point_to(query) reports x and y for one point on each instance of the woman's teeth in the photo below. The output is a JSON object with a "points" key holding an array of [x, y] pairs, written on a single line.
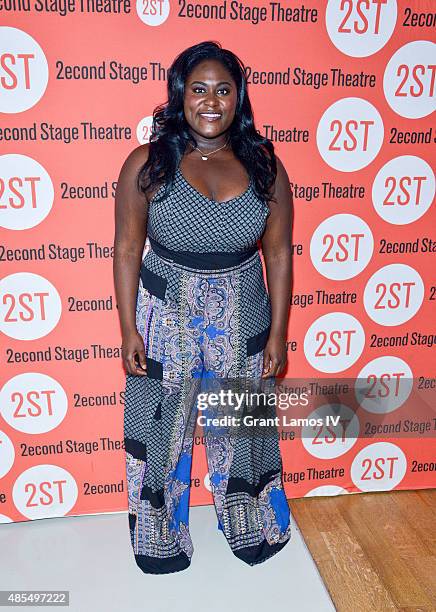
{"points": [[210, 116]]}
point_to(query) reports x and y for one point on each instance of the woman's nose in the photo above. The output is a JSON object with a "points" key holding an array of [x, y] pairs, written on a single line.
{"points": [[211, 98]]}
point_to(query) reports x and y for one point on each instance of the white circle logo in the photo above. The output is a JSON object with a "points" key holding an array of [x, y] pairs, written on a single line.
{"points": [[23, 71], [393, 294], [28, 192], [33, 403], [379, 467], [44, 491], [7, 454], [383, 384], [341, 246], [359, 28], [206, 482], [350, 134], [332, 439], [409, 80], [153, 13], [30, 306], [334, 342], [326, 490], [403, 189], [143, 130]]}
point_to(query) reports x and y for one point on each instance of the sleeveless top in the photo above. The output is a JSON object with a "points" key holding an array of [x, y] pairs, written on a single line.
{"points": [[187, 220]]}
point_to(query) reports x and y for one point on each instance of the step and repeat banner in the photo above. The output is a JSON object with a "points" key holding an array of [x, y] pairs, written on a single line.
{"points": [[346, 91]]}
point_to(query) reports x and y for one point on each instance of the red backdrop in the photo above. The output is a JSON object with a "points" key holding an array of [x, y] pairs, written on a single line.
{"points": [[346, 92]]}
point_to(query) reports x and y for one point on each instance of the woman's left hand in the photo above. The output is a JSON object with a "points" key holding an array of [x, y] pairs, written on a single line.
{"points": [[274, 356]]}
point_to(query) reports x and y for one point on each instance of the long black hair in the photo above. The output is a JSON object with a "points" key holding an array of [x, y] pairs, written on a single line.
{"points": [[170, 131]]}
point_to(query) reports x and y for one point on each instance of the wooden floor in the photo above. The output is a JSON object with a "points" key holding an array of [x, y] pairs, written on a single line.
{"points": [[375, 551]]}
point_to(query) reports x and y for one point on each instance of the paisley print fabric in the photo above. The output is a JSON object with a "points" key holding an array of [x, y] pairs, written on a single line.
{"points": [[202, 330]]}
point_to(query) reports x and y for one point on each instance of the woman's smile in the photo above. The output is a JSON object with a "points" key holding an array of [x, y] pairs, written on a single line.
{"points": [[210, 116]]}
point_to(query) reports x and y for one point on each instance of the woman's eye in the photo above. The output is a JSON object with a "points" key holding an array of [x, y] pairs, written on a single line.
{"points": [[201, 89]]}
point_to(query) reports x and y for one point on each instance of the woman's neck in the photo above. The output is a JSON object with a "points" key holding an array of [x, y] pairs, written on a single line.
{"points": [[208, 144]]}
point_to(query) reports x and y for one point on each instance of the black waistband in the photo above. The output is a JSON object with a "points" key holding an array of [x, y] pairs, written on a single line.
{"points": [[202, 261]]}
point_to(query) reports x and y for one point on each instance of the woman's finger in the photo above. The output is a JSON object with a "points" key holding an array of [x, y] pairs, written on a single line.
{"points": [[266, 362], [142, 362]]}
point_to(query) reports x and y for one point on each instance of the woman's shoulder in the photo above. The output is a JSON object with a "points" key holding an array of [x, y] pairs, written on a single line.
{"points": [[128, 177], [133, 164], [137, 157]]}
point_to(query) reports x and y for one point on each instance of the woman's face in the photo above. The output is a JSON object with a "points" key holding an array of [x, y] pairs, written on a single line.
{"points": [[209, 88]]}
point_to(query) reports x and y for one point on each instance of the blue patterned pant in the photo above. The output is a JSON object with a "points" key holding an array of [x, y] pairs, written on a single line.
{"points": [[203, 330]]}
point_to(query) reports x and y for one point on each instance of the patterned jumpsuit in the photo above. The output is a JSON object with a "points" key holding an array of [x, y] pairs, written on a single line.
{"points": [[204, 313]]}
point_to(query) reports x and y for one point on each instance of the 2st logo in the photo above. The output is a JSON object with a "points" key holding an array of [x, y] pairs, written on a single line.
{"points": [[33, 403], [350, 134], [379, 467], [153, 12], [409, 80], [360, 28], [23, 71], [143, 129], [26, 192], [393, 294], [341, 246], [403, 190], [334, 342], [327, 441], [30, 306], [44, 491], [383, 385]]}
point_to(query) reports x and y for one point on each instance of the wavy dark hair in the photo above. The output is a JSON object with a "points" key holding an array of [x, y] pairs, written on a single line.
{"points": [[170, 131]]}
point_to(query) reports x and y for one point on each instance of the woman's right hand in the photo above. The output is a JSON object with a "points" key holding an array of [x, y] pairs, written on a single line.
{"points": [[133, 346]]}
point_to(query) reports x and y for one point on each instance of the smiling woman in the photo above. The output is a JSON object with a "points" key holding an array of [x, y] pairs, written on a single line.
{"points": [[195, 311]]}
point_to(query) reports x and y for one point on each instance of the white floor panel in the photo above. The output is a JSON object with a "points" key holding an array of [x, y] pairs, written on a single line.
{"points": [[91, 557]]}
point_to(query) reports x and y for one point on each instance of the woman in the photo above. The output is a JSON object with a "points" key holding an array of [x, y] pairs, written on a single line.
{"points": [[195, 309]]}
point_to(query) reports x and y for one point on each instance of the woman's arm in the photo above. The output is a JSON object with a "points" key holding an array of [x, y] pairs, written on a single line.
{"points": [[131, 209], [277, 252]]}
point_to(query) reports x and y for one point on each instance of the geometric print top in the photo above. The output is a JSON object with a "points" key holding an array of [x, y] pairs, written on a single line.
{"points": [[187, 220]]}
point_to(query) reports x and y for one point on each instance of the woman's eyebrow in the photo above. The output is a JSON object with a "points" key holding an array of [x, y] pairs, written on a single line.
{"points": [[220, 83]]}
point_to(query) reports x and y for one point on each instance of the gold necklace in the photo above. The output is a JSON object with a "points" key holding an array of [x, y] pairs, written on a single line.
{"points": [[205, 156]]}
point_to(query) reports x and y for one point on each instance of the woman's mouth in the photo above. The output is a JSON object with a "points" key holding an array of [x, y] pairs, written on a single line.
{"points": [[211, 116]]}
